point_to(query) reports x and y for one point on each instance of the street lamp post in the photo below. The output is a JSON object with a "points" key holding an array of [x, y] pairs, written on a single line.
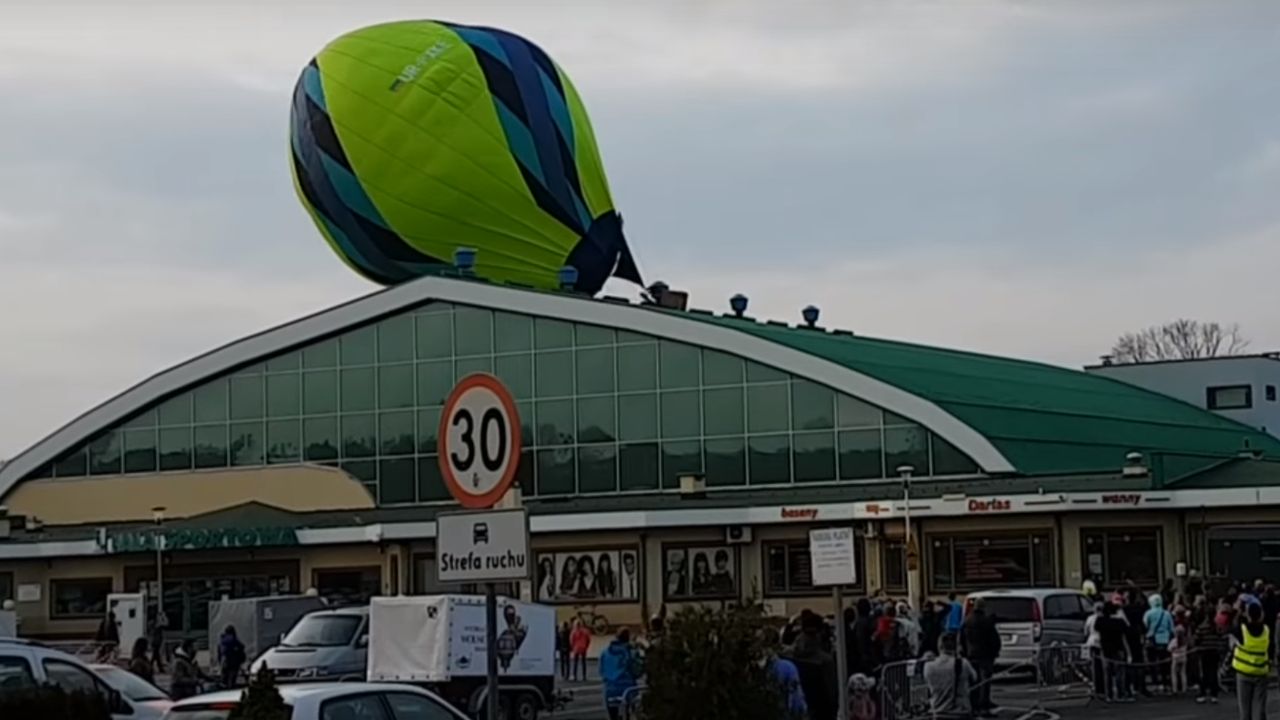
{"points": [[909, 545], [157, 515]]}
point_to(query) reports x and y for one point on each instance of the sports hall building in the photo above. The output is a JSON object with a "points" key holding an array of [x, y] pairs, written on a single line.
{"points": [[670, 456]]}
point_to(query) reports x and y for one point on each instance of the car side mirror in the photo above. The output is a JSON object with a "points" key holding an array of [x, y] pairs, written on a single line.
{"points": [[363, 641]]}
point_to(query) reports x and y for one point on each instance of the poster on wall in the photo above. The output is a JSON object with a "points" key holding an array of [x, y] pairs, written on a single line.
{"points": [[699, 572], [589, 576]]}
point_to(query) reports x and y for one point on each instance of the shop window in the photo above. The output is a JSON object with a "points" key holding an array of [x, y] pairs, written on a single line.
{"points": [[1115, 557], [893, 565], [601, 575], [347, 586], [1229, 397], [6, 586], [787, 569], [79, 598], [993, 560], [700, 572]]}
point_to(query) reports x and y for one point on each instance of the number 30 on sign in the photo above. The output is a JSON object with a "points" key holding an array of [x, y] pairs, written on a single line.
{"points": [[479, 441]]}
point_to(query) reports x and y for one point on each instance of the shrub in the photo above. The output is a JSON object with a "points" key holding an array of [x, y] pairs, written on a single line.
{"points": [[50, 702], [261, 700], [710, 665]]}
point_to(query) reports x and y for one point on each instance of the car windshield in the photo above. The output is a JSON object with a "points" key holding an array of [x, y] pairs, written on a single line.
{"points": [[322, 631], [1010, 609], [130, 685]]}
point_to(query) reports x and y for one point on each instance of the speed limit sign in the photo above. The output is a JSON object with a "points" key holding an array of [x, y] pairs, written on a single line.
{"points": [[479, 441]]}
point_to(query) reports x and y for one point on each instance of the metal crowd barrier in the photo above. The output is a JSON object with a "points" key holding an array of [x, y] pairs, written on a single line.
{"points": [[903, 692], [629, 703]]}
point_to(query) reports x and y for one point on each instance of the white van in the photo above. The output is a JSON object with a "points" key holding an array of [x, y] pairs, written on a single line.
{"points": [[1031, 619]]}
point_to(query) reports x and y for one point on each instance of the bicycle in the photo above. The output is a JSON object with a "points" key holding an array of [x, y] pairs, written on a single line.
{"points": [[592, 620]]}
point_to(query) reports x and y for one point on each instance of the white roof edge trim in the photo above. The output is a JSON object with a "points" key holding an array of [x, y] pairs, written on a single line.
{"points": [[661, 324]]}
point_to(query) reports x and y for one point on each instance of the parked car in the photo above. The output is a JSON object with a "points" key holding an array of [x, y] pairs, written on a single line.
{"points": [[323, 645], [326, 701], [1031, 619], [142, 693], [24, 664]]}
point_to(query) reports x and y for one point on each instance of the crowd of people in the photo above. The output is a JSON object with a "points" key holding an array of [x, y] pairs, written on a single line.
{"points": [[147, 658]]}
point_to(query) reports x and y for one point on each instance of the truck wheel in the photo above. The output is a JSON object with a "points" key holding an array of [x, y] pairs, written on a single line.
{"points": [[526, 707]]}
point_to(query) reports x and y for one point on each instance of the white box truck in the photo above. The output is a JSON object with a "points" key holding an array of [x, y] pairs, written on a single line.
{"points": [[438, 641]]}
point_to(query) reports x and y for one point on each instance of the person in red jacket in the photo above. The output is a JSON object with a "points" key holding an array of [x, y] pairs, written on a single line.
{"points": [[579, 644]]}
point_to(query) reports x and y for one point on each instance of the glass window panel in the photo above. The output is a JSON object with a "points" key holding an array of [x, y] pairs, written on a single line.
{"points": [[638, 367], [359, 436], [1042, 561], [553, 374], [211, 402], [524, 472], [588, 335], [466, 366], [724, 410], [815, 456], [893, 561], [397, 481], [812, 406], [525, 411], [247, 443], [726, 462], [775, 568], [431, 485], [680, 458], [319, 392], [595, 371], [555, 471], [906, 446], [175, 448], [321, 355], [395, 339], [597, 420], [320, 438], [435, 335], [895, 419], [144, 419], [638, 416], [854, 413], [757, 373], [76, 464], [285, 363], [767, 409], [176, 411], [511, 332], [597, 468], [680, 414], [435, 380], [104, 454], [395, 386], [358, 389], [246, 397], [211, 446], [555, 423], [639, 467], [722, 368], [358, 347], [948, 460], [284, 441], [625, 336], [472, 331], [770, 459], [284, 395], [139, 451], [940, 563], [679, 365], [516, 372], [860, 455], [549, 334], [428, 429], [366, 471], [395, 431]]}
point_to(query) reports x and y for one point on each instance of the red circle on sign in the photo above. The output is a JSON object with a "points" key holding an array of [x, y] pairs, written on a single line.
{"points": [[456, 488]]}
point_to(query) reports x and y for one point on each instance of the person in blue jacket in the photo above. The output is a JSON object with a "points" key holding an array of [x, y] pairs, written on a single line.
{"points": [[620, 670]]}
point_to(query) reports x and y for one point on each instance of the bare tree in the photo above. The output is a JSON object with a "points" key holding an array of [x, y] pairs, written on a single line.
{"points": [[1181, 339]]}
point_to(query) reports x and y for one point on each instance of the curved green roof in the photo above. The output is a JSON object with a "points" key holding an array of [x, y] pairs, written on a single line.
{"points": [[1045, 419]]}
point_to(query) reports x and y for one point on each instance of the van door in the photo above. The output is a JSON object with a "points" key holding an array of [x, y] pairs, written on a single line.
{"points": [[1064, 619], [16, 672], [1017, 619]]}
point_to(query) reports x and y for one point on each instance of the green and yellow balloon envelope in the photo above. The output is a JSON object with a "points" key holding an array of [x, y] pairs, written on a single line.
{"points": [[413, 139]]}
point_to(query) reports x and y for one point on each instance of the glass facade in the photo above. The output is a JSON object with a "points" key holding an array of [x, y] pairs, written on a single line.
{"points": [[603, 411]]}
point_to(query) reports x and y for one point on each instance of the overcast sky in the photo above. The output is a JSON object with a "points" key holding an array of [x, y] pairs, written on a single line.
{"points": [[1022, 178]]}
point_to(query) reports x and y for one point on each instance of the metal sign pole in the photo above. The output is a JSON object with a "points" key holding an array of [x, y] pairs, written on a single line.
{"points": [[842, 660], [491, 650]]}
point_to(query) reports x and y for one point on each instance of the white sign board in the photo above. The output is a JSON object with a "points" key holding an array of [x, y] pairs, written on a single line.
{"points": [[831, 556], [29, 592], [483, 546]]}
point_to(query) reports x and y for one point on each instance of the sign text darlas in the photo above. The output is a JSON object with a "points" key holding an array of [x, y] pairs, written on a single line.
{"points": [[992, 505]]}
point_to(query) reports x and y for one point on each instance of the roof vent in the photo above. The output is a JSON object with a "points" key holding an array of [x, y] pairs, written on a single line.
{"points": [[1108, 359], [663, 296], [1135, 465], [464, 259], [738, 303], [810, 315], [568, 278]]}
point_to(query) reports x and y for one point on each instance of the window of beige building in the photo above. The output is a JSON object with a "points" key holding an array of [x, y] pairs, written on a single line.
{"points": [[787, 569], [6, 586], [348, 586], [893, 565], [991, 560], [1115, 556], [79, 598]]}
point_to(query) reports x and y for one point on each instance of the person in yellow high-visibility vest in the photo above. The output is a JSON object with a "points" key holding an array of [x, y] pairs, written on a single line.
{"points": [[1251, 660]]}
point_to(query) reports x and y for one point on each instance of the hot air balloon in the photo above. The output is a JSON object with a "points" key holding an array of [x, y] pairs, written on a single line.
{"points": [[413, 139]]}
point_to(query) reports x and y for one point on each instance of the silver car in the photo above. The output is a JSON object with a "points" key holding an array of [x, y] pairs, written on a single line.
{"points": [[1031, 619]]}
